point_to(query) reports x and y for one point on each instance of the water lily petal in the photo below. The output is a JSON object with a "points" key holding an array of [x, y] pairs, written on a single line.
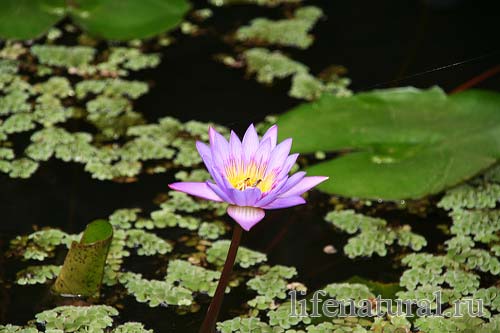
{"points": [[220, 192], [304, 185], [206, 155], [197, 189], [263, 154], [266, 199], [287, 166], [272, 134], [204, 152], [235, 147], [250, 142], [292, 181], [247, 217], [285, 202], [219, 147], [279, 155], [276, 190], [247, 197]]}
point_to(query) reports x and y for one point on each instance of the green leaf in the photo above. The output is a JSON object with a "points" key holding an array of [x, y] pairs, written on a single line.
{"points": [[128, 19], [27, 19], [110, 19], [83, 267], [385, 290], [397, 143]]}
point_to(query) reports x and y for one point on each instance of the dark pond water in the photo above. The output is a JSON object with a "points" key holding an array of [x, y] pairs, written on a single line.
{"points": [[382, 43]]}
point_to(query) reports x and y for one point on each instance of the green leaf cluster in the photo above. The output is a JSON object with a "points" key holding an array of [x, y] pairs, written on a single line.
{"points": [[111, 19], [270, 282], [374, 234], [245, 258], [271, 65], [78, 319], [267, 3], [399, 143], [292, 32]]}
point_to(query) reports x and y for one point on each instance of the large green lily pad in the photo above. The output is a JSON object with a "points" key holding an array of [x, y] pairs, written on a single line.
{"points": [[397, 143], [25, 19], [110, 19], [128, 19], [83, 269]]}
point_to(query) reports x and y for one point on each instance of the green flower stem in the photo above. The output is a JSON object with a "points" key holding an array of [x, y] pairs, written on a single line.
{"points": [[210, 320]]}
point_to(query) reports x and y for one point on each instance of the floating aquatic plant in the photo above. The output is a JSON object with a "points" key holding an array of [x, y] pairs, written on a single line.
{"points": [[401, 143], [83, 268], [374, 236], [97, 94], [37, 274], [245, 258], [269, 66], [156, 292], [267, 3], [288, 32], [250, 175], [270, 283], [78, 319], [130, 20]]}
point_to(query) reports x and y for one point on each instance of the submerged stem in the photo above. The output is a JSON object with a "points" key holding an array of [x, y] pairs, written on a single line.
{"points": [[210, 320]]}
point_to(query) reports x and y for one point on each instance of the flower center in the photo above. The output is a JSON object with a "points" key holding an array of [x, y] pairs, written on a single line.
{"points": [[249, 176]]}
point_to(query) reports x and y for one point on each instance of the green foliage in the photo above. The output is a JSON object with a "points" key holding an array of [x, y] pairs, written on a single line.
{"points": [[346, 291], [456, 273], [22, 19], [128, 59], [130, 18], [17, 329], [167, 218], [267, 3], [270, 283], [22, 168], [305, 86], [197, 175], [37, 274], [83, 268], [194, 278], [123, 218], [469, 196], [429, 273], [26, 19], [131, 327], [155, 292], [269, 66], [449, 325], [246, 325], [78, 319], [111, 87], [40, 244], [482, 225], [374, 234], [75, 57], [212, 230], [104, 102], [146, 243], [282, 317], [413, 143], [287, 32], [245, 258]]}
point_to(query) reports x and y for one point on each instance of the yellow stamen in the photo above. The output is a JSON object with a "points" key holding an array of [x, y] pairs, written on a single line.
{"points": [[249, 176]]}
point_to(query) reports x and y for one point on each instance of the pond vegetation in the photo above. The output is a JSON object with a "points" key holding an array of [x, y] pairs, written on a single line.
{"points": [[411, 207]]}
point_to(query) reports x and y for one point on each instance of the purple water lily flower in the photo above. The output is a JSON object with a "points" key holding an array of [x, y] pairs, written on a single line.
{"points": [[250, 175]]}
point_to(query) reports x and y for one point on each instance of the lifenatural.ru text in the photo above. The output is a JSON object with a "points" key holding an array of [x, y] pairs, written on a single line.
{"points": [[319, 305]]}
